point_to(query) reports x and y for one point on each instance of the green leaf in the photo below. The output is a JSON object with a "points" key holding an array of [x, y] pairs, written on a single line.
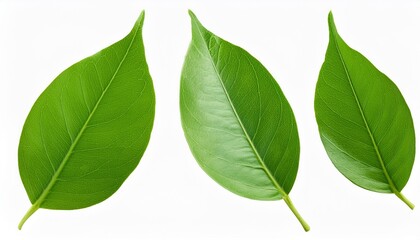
{"points": [[364, 122], [88, 130], [238, 124]]}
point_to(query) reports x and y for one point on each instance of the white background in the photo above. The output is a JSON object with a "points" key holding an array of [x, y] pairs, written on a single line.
{"points": [[168, 196]]}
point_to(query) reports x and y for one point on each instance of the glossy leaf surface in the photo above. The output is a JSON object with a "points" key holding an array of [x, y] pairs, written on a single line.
{"points": [[238, 124], [88, 130], [364, 121]]}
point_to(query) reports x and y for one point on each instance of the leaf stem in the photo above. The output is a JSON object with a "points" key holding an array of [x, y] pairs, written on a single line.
{"points": [[405, 200], [29, 213], [289, 203]]}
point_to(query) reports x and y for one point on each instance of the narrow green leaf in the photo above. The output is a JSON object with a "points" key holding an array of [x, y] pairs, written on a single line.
{"points": [[238, 124], [364, 122], [88, 130]]}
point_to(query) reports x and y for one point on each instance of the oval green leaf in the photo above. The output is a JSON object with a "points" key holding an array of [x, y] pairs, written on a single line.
{"points": [[88, 130], [238, 124], [364, 122]]}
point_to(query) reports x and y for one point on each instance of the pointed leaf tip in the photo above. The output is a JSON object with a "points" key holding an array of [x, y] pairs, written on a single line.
{"points": [[330, 15], [140, 20], [195, 23], [139, 23], [331, 23], [331, 26], [192, 15], [194, 19]]}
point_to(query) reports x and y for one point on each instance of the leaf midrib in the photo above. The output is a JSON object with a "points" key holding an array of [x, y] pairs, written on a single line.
{"points": [[257, 155], [57, 173], [387, 176]]}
